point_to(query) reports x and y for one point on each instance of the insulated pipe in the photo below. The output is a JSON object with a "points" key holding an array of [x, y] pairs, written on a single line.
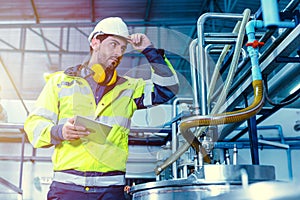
{"points": [[240, 65], [218, 65], [228, 117], [222, 50], [234, 62]]}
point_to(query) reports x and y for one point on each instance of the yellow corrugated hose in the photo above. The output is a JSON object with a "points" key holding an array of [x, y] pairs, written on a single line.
{"points": [[215, 119], [228, 117]]}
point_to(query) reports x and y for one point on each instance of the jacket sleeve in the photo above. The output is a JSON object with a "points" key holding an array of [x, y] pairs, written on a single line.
{"points": [[164, 81], [40, 122]]}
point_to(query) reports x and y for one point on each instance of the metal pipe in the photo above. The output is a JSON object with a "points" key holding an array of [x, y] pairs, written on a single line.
{"points": [[235, 155], [194, 72], [220, 40], [22, 160], [201, 58], [253, 140], [288, 150], [174, 130], [293, 143], [216, 119], [276, 144], [220, 35]]}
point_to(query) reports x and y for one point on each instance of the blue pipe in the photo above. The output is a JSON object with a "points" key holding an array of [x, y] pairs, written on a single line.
{"points": [[253, 52], [256, 75], [253, 140], [271, 19], [288, 151], [271, 15]]}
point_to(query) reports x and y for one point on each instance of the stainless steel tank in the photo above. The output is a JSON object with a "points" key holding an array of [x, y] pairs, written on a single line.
{"points": [[215, 180], [270, 190]]}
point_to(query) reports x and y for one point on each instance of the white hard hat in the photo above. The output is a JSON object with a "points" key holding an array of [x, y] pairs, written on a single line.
{"points": [[110, 25]]}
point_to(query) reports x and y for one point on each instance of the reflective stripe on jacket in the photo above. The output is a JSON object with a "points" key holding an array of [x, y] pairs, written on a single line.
{"points": [[91, 181]]}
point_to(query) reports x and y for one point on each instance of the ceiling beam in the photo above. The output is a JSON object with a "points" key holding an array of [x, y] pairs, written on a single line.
{"points": [[148, 10], [36, 15], [164, 23], [93, 15]]}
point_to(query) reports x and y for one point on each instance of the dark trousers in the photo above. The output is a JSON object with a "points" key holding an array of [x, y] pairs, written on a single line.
{"points": [[61, 191]]}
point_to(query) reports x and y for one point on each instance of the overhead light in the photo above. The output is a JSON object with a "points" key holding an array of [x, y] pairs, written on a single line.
{"points": [[295, 89]]}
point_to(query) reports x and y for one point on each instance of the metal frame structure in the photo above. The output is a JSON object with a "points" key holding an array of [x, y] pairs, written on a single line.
{"points": [[6, 183]]}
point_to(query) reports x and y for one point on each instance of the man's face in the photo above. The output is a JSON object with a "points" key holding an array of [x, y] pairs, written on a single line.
{"points": [[110, 51]]}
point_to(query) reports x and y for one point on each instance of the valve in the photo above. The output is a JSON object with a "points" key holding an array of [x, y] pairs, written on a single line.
{"points": [[255, 44]]}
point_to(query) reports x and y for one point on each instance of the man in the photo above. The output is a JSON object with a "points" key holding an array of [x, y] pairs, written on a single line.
{"points": [[84, 169]]}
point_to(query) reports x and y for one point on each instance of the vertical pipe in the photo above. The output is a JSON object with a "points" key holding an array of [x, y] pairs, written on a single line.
{"points": [[256, 75], [22, 160], [194, 76], [227, 157], [252, 131], [235, 155], [253, 140], [201, 66], [174, 131], [174, 138], [289, 162], [288, 152], [202, 81]]}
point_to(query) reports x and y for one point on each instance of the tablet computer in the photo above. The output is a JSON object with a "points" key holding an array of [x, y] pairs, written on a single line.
{"points": [[98, 131]]}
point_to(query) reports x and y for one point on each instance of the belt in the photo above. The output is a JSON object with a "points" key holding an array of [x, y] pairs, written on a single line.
{"points": [[92, 181]]}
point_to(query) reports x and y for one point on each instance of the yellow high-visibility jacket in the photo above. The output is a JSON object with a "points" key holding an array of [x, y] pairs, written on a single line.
{"points": [[65, 96]]}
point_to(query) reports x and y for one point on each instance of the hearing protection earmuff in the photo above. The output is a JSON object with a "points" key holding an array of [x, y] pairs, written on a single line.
{"points": [[104, 76]]}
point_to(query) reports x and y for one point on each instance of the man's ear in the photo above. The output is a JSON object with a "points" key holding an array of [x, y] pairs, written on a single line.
{"points": [[95, 43]]}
